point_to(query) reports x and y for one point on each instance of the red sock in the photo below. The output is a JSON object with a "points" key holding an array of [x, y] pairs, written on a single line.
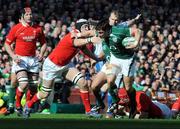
{"points": [[86, 101], [32, 101], [19, 96], [28, 95]]}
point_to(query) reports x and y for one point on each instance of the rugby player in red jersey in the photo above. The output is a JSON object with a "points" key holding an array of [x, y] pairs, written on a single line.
{"points": [[25, 35], [146, 108], [57, 64], [176, 108]]}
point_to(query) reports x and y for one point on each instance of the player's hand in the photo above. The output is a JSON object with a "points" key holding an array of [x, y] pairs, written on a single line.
{"points": [[137, 17], [16, 59], [131, 46]]}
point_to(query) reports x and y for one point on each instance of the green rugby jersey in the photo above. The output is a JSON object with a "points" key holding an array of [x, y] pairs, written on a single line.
{"points": [[115, 42]]}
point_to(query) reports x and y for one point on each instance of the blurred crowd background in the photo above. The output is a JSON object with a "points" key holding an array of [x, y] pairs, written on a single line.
{"points": [[158, 67]]}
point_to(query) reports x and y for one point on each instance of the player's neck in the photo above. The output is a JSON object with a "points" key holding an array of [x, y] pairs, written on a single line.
{"points": [[25, 24]]}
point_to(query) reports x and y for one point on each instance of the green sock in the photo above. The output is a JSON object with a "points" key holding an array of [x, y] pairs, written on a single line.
{"points": [[12, 93], [114, 94]]}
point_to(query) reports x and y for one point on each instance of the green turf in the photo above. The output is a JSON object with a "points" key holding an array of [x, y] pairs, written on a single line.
{"points": [[80, 121]]}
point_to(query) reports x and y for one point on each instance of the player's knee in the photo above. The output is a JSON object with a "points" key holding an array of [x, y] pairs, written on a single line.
{"points": [[80, 81]]}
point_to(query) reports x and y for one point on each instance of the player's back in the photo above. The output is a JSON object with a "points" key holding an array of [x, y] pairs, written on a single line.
{"points": [[64, 51]]}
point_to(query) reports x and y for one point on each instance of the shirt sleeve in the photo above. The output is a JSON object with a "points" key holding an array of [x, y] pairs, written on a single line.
{"points": [[10, 38], [127, 31], [122, 24], [42, 38]]}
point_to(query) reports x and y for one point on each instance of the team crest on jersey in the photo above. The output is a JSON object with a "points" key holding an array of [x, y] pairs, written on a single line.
{"points": [[114, 37]]}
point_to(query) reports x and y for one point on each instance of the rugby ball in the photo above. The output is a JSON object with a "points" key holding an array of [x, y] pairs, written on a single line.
{"points": [[128, 41]]}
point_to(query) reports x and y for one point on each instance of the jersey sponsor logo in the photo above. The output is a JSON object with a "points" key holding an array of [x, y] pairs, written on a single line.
{"points": [[28, 38]]}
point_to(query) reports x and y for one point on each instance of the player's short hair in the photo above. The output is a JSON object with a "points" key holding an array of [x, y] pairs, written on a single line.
{"points": [[80, 23], [25, 10], [103, 25], [115, 11]]}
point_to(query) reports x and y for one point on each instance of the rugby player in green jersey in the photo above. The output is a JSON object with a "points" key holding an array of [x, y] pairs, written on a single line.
{"points": [[122, 58], [99, 81]]}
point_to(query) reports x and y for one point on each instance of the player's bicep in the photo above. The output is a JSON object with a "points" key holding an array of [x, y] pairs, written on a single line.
{"points": [[10, 38]]}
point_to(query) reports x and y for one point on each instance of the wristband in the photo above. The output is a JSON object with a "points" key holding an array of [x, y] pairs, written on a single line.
{"points": [[89, 40]]}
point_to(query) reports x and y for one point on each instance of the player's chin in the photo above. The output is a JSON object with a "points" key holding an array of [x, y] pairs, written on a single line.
{"points": [[29, 21]]}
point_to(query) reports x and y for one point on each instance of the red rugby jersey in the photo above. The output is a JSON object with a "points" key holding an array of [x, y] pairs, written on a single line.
{"points": [[176, 105], [25, 38], [144, 104], [64, 51]]}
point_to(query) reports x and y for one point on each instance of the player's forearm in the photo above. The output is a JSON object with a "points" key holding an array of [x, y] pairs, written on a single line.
{"points": [[131, 22], [9, 50], [83, 41], [43, 49], [138, 36]]}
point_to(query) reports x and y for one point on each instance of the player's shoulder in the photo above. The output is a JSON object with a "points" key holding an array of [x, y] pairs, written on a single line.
{"points": [[18, 25], [117, 29], [37, 26], [67, 37]]}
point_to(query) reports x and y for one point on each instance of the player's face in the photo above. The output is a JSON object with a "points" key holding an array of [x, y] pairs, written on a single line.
{"points": [[84, 27], [28, 17], [113, 19]]}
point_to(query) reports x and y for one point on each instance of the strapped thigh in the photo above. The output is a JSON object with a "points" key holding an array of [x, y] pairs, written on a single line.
{"points": [[45, 89], [33, 81], [77, 77], [21, 79]]}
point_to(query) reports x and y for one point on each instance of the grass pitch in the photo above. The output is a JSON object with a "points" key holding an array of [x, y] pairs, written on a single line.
{"points": [[80, 121]]}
